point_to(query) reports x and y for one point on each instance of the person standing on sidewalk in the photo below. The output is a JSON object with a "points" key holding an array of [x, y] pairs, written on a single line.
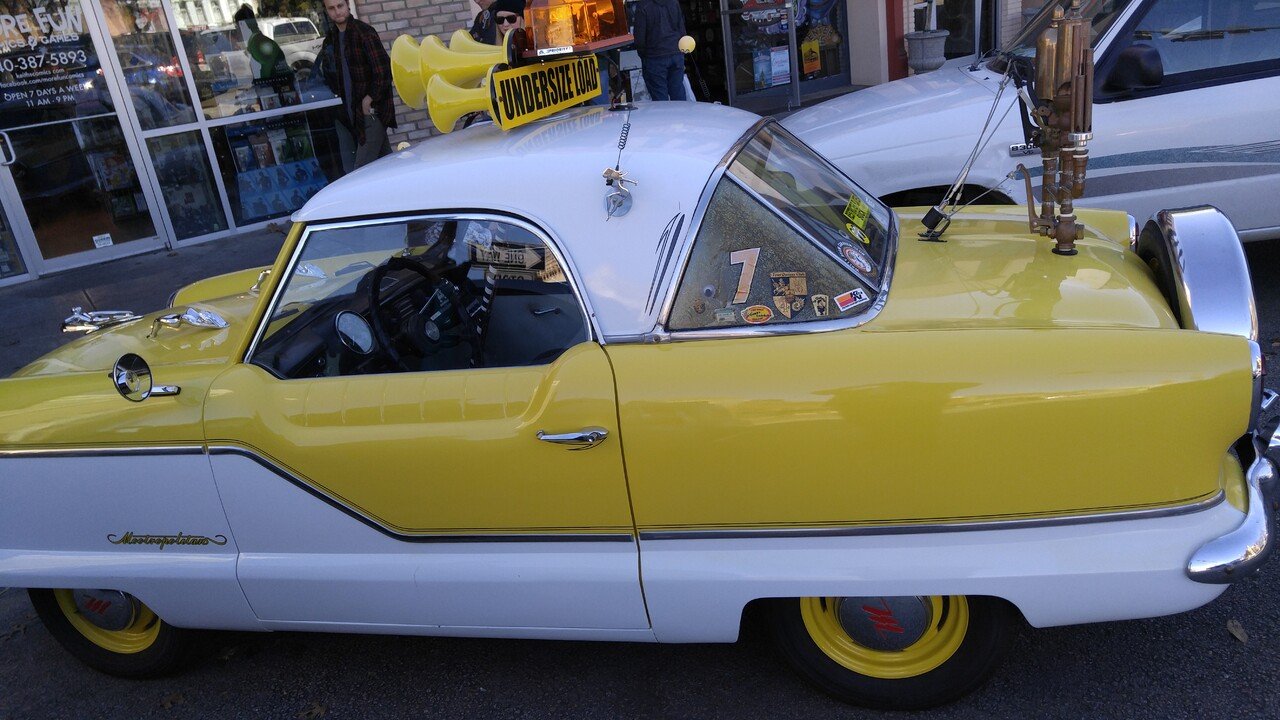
{"points": [[658, 27], [362, 78], [483, 28]]}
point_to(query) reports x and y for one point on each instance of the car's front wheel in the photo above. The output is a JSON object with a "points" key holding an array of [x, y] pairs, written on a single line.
{"points": [[894, 653], [112, 632]]}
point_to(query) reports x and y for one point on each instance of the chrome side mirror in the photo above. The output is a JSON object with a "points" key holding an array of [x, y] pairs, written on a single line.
{"points": [[132, 378]]}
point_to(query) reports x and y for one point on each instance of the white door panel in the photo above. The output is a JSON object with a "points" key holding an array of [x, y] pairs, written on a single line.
{"points": [[304, 560]]}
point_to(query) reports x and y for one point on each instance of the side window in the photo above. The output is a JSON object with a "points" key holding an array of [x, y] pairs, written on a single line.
{"points": [[1197, 35], [749, 267], [420, 295]]}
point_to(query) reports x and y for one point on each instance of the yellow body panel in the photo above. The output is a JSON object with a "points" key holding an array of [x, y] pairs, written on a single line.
{"points": [[84, 409], [441, 452], [859, 427], [234, 283], [991, 272]]}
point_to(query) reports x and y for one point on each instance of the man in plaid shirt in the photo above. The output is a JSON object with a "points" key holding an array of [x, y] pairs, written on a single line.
{"points": [[361, 76]]}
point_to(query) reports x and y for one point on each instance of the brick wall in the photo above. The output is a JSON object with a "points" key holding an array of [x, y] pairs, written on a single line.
{"points": [[1010, 19], [393, 18]]}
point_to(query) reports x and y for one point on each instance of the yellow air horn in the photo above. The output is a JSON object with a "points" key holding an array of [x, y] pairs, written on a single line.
{"points": [[463, 63], [406, 72], [447, 102], [461, 67]]}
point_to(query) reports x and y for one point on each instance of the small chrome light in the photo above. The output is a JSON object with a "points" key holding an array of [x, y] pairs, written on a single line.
{"points": [[1133, 232]]}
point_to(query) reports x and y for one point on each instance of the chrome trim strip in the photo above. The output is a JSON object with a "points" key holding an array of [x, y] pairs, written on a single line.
{"points": [[661, 334], [1256, 366], [1210, 276], [666, 247], [685, 249], [268, 464], [103, 451], [588, 312], [1235, 555], [931, 528]]}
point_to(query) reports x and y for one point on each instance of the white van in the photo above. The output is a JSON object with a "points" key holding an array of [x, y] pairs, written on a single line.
{"points": [[1186, 112]]}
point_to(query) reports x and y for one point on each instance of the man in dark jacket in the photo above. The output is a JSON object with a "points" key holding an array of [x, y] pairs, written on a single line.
{"points": [[658, 27], [362, 78]]}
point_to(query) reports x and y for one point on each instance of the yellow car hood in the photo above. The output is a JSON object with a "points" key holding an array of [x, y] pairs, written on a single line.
{"points": [[990, 272], [183, 345]]}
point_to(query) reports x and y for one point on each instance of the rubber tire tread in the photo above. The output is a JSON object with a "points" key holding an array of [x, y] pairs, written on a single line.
{"points": [[993, 623], [169, 653]]}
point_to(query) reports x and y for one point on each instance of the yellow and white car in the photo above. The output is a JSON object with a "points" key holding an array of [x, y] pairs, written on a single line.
{"points": [[473, 397]]}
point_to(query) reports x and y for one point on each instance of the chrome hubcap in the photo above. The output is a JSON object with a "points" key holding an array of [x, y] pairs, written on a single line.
{"points": [[885, 623], [108, 609]]}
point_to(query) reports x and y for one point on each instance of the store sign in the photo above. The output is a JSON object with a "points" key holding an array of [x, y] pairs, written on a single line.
{"points": [[48, 67], [525, 94]]}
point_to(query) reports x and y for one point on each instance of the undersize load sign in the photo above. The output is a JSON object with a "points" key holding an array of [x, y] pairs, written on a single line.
{"points": [[522, 95]]}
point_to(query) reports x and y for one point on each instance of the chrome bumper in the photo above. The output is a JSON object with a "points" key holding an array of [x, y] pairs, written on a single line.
{"points": [[1238, 553]]}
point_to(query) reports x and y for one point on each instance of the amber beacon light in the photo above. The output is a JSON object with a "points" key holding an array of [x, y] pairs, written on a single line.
{"points": [[563, 27]]}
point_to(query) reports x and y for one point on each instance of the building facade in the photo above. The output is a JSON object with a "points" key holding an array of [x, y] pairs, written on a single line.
{"points": [[132, 125]]}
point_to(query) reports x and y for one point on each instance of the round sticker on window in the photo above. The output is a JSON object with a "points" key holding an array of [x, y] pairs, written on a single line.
{"points": [[857, 258], [757, 314]]}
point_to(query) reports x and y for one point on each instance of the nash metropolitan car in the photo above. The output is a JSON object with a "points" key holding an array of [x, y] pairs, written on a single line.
{"points": [[483, 392]]}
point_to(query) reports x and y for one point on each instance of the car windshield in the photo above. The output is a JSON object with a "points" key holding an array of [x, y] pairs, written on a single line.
{"points": [[1103, 12], [801, 187]]}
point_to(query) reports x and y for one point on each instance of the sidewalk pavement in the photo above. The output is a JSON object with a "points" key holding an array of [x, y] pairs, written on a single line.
{"points": [[31, 313]]}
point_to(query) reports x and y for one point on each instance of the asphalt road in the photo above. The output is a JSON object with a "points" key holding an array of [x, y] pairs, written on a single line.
{"points": [[1184, 666]]}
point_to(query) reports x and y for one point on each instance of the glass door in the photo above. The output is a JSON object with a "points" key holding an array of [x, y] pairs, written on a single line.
{"points": [[72, 183], [11, 263], [761, 55]]}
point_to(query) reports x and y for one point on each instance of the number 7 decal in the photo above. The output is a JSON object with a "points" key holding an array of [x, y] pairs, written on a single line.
{"points": [[748, 260]]}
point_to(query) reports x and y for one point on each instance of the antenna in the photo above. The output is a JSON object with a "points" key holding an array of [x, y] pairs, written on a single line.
{"points": [[1057, 116]]}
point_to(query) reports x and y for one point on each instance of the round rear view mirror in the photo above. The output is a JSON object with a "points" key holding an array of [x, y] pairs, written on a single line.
{"points": [[132, 377]]}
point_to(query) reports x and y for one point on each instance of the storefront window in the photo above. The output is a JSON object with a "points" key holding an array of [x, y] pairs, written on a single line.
{"points": [[271, 167], [762, 56], [152, 73], [819, 32], [49, 69], [189, 191], [78, 185], [251, 56]]}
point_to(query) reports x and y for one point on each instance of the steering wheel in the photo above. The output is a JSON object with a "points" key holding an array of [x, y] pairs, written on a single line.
{"points": [[425, 329]]}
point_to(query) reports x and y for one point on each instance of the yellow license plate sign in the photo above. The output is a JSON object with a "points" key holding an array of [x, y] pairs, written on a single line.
{"points": [[857, 212], [524, 94]]}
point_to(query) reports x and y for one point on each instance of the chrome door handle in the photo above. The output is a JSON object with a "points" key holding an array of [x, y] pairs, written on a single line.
{"points": [[8, 156], [581, 440]]}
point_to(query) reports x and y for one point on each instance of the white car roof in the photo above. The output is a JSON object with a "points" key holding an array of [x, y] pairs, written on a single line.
{"points": [[550, 172]]}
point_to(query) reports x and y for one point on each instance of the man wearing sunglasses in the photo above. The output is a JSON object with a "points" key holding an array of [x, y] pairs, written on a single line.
{"points": [[362, 78]]}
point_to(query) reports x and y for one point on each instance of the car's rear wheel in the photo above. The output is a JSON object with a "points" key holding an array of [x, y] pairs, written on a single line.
{"points": [[896, 653], [112, 632]]}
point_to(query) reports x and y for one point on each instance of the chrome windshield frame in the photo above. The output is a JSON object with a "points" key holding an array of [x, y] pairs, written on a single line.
{"points": [[661, 333], [566, 263]]}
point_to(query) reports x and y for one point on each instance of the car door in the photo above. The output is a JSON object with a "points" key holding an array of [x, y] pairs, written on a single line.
{"points": [[1202, 131], [442, 451]]}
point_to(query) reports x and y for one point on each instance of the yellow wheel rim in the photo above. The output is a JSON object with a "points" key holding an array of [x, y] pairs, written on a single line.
{"points": [[138, 636], [949, 621]]}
